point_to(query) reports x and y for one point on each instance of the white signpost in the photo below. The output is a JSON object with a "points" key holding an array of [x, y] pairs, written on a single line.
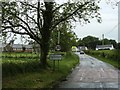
{"points": [[55, 57]]}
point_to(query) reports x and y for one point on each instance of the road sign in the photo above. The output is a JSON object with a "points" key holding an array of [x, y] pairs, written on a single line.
{"points": [[55, 56], [58, 47]]}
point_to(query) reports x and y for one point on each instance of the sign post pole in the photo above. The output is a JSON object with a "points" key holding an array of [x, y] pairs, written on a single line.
{"points": [[53, 65], [58, 64], [55, 57]]}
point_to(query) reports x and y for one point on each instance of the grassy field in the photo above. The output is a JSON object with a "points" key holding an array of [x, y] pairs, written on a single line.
{"points": [[109, 56], [25, 73]]}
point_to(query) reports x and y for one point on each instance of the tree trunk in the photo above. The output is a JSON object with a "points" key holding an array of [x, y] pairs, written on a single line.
{"points": [[45, 47], [43, 54], [46, 33]]}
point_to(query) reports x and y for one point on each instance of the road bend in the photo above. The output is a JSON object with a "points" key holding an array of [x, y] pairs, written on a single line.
{"points": [[92, 73]]}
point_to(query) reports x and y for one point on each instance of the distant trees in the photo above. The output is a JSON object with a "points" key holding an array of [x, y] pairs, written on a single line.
{"points": [[91, 42]]}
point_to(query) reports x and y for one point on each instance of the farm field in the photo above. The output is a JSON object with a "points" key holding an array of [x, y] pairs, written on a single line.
{"points": [[22, 70], [109, 56]]}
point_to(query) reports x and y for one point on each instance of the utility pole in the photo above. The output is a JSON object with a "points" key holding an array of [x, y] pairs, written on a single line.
{"points": [[58, 37], [102, 39]]}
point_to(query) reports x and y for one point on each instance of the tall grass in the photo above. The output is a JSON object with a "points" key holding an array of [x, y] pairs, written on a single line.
{"points": [[28, 73]]}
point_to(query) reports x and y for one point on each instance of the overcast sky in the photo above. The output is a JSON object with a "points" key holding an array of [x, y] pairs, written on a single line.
{"points": [[108, 27]]}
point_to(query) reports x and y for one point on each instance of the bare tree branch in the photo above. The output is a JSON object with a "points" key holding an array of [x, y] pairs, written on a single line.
{"points": [[12, 30], [28, 32], [59, 7], [31, 19], [65, 18], [38, 16], [33, 6]]}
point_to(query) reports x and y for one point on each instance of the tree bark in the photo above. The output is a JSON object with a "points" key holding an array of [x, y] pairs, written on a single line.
{"points": [[46, 33], [44, 50]]}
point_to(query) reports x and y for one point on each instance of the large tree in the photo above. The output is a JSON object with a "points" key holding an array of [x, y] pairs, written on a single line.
{"points": [[39, 19]]}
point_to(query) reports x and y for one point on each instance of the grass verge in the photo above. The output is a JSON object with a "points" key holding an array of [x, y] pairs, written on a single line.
{"points": [[111, 57], [42, 78]]}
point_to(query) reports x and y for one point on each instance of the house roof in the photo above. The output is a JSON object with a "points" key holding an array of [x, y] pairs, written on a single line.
{"points": [[104, 46], [17, 46], [28, 46], [20, 46]]}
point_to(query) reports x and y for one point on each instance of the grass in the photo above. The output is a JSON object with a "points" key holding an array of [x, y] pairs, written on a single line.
{"points": [[14, 55], [39, 78], [109, 56], [110, 61]]}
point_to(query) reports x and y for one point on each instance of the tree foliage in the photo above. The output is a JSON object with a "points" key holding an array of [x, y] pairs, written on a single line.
{"points": [[91, 42], [67, 37], [39, 19]]}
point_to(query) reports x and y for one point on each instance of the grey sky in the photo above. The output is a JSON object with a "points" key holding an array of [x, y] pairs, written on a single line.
{"points": [[109, 25], [119, 23]]}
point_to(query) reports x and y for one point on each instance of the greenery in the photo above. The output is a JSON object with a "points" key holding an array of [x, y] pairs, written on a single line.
{"points": [[28, 73], [67, 37], [13, 55], [38, 19], [91, 42], [109, 56]]}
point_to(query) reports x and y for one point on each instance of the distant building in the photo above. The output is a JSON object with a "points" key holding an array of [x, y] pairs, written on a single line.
{"points": [[104, 47], [28, 48], [20, 48], [82, 48], [15, 48]]}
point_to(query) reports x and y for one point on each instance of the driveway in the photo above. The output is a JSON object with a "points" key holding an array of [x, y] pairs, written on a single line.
{"points": [[92, 73]]}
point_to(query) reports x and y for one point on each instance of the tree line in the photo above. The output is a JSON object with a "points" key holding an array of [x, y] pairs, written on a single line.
{"points": [[90, 42]]}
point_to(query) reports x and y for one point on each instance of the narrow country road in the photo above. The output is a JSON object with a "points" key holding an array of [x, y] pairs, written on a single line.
{"points": [[92, 73]]}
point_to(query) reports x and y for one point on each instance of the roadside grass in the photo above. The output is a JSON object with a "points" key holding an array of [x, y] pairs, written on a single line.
{"points": [[37, 77], [109, 56]]}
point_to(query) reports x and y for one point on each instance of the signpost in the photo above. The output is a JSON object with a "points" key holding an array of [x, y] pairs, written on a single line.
{"points": [[55, 57]]}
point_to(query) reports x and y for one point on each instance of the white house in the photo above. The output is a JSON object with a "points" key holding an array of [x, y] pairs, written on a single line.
{"points": [[104, 47], [19, 47], [81, 48], [15, 48]]}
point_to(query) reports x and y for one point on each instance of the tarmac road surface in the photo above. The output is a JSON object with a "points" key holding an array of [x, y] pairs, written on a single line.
{"points": [[92, 73]]}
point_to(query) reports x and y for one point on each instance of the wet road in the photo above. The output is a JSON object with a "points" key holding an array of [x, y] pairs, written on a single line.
{"points": [[91, 73]]}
